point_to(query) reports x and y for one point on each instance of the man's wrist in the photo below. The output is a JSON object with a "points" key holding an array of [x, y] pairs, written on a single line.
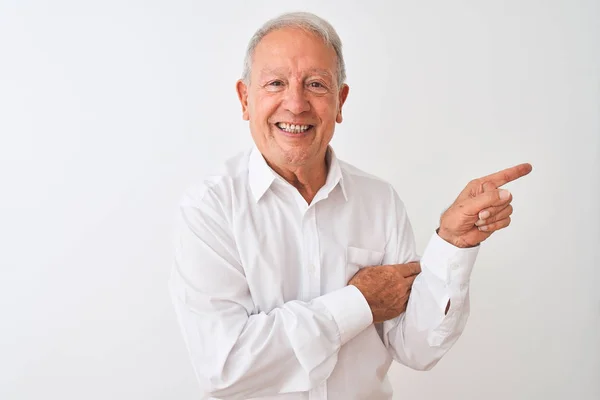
{"points": [[453, 240]]}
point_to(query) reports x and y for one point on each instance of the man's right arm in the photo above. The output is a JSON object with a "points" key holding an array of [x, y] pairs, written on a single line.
{"points": [[237, 354]]}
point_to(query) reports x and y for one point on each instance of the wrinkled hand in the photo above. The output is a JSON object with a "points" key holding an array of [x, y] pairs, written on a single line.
{"points": [[480, 209], [386, 288]]}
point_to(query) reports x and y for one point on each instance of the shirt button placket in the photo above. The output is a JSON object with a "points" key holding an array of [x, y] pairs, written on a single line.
{"points": [[311, 240], [313, 254]]}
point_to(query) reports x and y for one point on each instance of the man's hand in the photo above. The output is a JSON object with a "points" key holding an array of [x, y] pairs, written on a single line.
{"points": [[386, 288], [480, 209]]}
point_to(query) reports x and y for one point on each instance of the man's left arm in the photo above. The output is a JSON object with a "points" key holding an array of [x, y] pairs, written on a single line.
{"points": [[438, 306], [421, 336]]}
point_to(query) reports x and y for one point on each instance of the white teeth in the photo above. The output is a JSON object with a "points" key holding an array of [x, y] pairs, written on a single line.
{"points": [[293, 128]]}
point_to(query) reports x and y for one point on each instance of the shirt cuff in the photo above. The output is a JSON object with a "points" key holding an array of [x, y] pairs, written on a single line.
{"points": [[448, 262], [350, 311]]}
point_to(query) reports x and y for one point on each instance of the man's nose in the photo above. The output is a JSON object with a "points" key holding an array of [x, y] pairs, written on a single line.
{"points": [[295, 100]]}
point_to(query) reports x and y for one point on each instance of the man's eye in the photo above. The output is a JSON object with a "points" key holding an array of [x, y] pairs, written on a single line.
{"points": [[276, 83], [315, 85]]}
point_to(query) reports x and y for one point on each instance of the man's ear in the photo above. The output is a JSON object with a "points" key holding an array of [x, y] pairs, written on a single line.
{"points": [[242, 92], [343, 96]]}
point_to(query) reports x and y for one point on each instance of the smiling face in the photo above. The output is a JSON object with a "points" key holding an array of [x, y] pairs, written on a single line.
{"points": [[293, 100]]}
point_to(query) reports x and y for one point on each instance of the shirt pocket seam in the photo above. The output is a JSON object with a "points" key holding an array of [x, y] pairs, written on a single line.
{"points": [[360, 257]]}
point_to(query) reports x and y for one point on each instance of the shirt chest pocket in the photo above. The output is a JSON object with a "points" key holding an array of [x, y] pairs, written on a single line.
{"points": [[357, 258]]}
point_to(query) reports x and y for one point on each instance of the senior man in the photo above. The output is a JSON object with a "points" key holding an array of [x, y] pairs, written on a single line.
{"points": [[296, 274]]}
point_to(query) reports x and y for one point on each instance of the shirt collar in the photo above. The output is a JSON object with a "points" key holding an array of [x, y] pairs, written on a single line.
{"points": [[334, 175], [261, 176]]}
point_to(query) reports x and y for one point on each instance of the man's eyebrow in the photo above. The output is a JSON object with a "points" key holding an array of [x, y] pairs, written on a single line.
{"points": [[322, 72], [271, 71], [277, 71]]}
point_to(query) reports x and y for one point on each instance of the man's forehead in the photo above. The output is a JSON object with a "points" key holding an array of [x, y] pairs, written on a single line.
{"points": [[294, 50]]}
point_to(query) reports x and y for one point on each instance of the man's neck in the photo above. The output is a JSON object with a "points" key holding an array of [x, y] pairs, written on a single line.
{"points": [[308, 179]]}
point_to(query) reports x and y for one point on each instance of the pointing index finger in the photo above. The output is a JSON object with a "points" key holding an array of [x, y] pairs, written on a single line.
{"points": [[508, 175]]}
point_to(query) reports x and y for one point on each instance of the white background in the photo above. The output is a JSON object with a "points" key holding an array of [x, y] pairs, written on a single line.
{"points": [[109, 109]]}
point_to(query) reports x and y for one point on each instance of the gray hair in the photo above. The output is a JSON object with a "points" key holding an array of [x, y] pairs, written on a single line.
{"points": [[302, 20]]}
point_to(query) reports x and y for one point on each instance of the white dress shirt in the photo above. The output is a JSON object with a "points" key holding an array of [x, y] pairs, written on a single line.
{"points": [[259, 285]]}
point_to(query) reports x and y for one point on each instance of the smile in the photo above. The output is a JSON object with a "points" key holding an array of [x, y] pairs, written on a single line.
{"points": [[293, 128]]}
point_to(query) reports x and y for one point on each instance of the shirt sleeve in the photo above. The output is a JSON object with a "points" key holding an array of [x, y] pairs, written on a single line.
{"points": [[238, 354], [422, 335]]}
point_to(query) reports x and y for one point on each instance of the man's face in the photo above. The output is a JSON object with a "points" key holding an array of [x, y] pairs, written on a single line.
{"points": [[293, 82]]}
